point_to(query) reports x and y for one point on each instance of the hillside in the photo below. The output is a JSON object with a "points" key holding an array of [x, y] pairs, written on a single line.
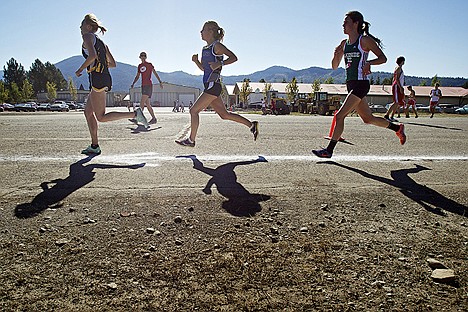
{"points": [[124, 74]]}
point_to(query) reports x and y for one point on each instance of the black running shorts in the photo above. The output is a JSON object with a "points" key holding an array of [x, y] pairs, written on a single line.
{"points": [[213, 88], [147, 90], [100, 82], [359, 88]]}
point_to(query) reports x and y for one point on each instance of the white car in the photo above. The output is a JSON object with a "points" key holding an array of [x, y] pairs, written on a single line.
{"points": [[59, 106]]}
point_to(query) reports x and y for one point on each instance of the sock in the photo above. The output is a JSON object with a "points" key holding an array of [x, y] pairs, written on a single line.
{"points": [[331, 146], [94, 145], [393, 126]]}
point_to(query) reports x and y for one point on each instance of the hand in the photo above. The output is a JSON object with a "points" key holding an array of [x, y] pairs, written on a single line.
{"points": [[78, 73], [195, 58], [366, 69], [161, 85], [131, 86]]}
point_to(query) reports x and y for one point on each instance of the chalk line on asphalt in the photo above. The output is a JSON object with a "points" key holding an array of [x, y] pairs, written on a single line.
{"points": [[155, 159]]}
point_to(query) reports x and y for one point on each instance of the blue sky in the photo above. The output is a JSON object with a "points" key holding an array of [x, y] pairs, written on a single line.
{"points": [[262, 33]]}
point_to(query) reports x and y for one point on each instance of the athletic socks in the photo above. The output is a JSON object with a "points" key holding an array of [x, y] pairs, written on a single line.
{"points": [[331, 146], [393, 126]]}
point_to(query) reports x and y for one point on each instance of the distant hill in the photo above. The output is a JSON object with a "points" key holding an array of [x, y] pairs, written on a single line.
{"points": [[124, 74]]}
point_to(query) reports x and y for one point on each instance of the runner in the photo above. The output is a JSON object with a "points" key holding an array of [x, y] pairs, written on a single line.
{"points": [[211, 63], [146, 69], [98, 60], [398, 92], [436, 94], [355, 50], [411, 102]]}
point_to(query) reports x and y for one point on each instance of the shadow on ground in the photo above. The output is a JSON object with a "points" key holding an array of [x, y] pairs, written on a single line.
{"points": [[430, 199], [240, 202], [51, 197], [432, 126]]}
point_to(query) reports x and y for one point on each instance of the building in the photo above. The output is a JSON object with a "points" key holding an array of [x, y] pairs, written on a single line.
{"points": [[378, 94], [166, 96]]}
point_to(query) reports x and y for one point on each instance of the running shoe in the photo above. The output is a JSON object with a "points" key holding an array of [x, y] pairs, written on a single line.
{"points": [[91, 151], [401, 134], [153, 121], [186, 142], [254, 129], [322, 153], [141, 118]]}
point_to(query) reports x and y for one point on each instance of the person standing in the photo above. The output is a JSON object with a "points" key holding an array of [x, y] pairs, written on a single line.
{"points": [[98, 60], [211, 63], [411, 102], [145, 69], [435, 94], [398, 92], [355, 50]]}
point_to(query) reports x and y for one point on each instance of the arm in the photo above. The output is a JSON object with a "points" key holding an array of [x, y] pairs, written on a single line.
{"points": [[88, 44], [369, 44], [110, 58], [220, 49], [338, 55], [196, 61], [136, 78], [157, 76]]}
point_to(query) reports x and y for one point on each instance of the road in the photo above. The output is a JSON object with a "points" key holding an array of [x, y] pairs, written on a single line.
{"points": [[41, 146]]}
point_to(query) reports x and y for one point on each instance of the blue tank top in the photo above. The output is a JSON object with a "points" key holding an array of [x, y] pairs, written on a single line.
{"points": [[208, 55]]}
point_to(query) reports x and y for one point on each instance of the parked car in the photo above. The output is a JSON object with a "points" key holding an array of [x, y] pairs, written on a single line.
{"points": [[8, 107], [462, 110], [448, 108], [1, 108], [422, 108], [26, 107], [59, 106], [80, 105], [44, 107], [375, 108], [71, 104]]}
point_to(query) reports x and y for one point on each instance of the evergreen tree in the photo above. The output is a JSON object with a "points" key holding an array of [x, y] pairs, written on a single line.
{"points": [[245, 91], [329, 80], [315, 87], [37, 76], [377, 82], [74, 92], [13, 73], [14, 94], [435, 80], [54, 75], [423, 83]]}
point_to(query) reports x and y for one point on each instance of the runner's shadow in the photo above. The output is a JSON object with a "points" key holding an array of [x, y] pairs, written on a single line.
{"points": [[51, 197], [240, 202], [430, 199], [432, 126], [141, 128]]}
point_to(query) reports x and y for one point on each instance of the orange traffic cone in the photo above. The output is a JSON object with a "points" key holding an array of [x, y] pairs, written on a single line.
{"points": [[332, 128]]}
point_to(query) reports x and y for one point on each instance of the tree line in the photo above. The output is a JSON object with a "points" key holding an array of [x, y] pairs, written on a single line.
{"points": [[19, 85]]}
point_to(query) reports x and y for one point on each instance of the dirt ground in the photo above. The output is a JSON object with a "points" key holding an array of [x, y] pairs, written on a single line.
{"points": [[206, 234]]}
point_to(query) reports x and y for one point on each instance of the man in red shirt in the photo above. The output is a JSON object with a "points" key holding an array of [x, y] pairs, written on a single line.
{"points": [[145, 69]]}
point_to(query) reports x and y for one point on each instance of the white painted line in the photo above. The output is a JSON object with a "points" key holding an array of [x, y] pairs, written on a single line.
{"points": [[153, 159]]}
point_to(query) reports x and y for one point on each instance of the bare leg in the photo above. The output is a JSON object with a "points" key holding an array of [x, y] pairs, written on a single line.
{"points": [[366, 115], [203, 101], [349, 105], [391, 110], [146, 101], [219, 108], [95, 111]]}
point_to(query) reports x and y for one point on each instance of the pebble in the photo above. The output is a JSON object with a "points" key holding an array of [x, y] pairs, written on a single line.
{"points": [[88, 221], [178, 242], [274, 230], [146, 255], [324, 207], [150, 230], [435, 264], [178, 219], [62, 242], [443, 275], [190, 209], [112, 285], [304, 229]]}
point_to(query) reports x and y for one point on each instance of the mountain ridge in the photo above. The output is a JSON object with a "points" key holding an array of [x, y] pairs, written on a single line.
{"points": [[123, 75]]}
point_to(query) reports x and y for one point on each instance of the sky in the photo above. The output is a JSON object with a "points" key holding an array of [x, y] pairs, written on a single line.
{"points": [[262, 33]]}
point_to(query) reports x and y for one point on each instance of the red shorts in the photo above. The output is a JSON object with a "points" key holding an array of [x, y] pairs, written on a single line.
{"points": [[411, 102], [433, 103], [398, 97]]}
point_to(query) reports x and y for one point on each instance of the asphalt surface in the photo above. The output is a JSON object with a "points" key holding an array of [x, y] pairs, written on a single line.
{"points": [[38, 148]]}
